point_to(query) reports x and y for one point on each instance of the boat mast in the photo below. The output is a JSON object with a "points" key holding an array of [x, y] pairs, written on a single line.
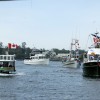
{"points": [[71, 49], [76, 48], [76, 44]]}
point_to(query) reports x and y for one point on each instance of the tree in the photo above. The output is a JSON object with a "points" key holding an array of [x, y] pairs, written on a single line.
{"points": [[1, 47]]}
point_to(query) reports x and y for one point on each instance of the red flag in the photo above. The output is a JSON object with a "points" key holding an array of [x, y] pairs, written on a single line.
{"points": [[95, 39], [12, 46]]}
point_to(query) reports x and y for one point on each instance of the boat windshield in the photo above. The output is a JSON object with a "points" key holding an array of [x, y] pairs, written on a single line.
{"points": [[7, 64]]}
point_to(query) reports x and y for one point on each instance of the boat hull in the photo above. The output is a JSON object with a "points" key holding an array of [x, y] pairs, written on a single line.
{"points": [[7, 69], [91, 69], [71, 64], [36, 62]]}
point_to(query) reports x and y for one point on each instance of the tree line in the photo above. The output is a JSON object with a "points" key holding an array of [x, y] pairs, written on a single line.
{"points": [[22, 51]]}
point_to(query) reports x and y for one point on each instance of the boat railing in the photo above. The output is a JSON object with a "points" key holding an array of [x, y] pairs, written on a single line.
{"points": [[7, 57]]}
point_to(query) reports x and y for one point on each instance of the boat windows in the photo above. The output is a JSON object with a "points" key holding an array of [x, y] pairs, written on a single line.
{"points": [[95, 57], [0, 57], [12, 58], [4, 57], [42, 57], [5, 64], [28, 58], [1, 64], [36, 57], [11, 64], [32, 58], [8, 58]]}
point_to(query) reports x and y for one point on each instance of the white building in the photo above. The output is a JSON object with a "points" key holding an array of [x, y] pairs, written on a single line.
{"points": [[62, 55]]}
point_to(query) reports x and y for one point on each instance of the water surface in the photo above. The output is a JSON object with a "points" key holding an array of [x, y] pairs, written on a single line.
{"points": [[48, 82]]}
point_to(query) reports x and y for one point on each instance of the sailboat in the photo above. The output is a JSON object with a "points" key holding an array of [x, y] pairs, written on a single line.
{"points": [[91, 59], [72, 60]]}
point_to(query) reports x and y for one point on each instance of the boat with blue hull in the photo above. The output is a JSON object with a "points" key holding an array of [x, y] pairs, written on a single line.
{"points": [[91, 59]]}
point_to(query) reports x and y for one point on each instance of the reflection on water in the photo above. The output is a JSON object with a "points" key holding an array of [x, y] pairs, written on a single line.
{"points": [[49, 82]]}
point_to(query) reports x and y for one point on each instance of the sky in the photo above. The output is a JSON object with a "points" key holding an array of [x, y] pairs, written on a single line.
{"points": [[49, 23]]}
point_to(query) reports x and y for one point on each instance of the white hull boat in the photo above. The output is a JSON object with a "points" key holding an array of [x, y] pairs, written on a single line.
{"points": [[37, 58], [70, 60], [91, 59], [7, 64], [71, 64], [36, 61]]}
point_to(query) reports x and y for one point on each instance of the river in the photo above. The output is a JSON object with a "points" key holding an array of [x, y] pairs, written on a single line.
{"points": [[48, 82]]}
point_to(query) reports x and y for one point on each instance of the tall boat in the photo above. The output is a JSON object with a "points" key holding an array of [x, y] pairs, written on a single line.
{"points": [[37, 57], [7, 63], [72, 60], [91, 61]]}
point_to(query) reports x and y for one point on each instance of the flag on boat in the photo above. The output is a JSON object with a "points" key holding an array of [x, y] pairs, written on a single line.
{"points": [[12, 46], [95, 39]]}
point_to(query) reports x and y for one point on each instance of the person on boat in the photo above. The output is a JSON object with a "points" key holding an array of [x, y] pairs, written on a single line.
{"points": [[78, 60], [98, 59], [10, 65], [97, 45], [0, 65], [91, 57], [68, 57], [64, 59]]}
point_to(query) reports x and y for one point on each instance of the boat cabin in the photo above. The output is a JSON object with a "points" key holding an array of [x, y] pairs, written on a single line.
{"points": [[93, 54], [38, 56], [7, 63]]}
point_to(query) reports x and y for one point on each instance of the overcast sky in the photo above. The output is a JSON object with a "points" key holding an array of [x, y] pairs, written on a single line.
{"points": [[48, 23]]}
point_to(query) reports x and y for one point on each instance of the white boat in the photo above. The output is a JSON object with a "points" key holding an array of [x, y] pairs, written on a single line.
{"points": [[72, 61], [7, 64], [37, 57], [91, 59]]}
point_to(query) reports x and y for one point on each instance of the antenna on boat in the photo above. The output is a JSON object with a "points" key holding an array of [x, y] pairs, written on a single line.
{"points": [[96, 35], [75, 42]]}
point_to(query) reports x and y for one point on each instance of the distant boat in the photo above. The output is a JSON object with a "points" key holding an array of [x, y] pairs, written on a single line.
{"points": [[37, 57], [71, 60], [7, 64], [91, 61]]}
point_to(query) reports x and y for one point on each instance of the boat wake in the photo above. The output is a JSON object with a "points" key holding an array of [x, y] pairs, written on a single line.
{"points": [[12, 74], [20, 74]]}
